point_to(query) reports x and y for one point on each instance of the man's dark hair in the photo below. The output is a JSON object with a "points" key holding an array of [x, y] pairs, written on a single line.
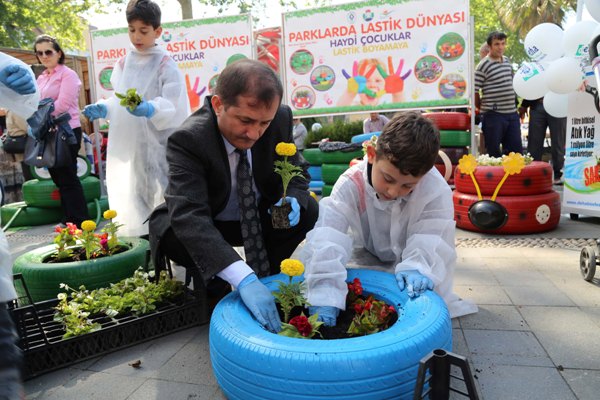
{"points": [[55, 46], [410, 142], [496, 35], [146, 11], [248, 78]]}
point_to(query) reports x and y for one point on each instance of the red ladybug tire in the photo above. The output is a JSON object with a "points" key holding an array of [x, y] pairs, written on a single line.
{"points": [[450, 120], [535, 178], [526, 214]]}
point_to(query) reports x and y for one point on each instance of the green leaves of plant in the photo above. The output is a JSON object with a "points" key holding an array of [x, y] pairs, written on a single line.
{"points": [[131, 99]]}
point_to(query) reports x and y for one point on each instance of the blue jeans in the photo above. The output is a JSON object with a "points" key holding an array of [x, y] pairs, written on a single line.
{"points": [[502, 129], [11, 387]]}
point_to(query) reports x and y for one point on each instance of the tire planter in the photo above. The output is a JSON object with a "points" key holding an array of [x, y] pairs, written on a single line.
{"points": [[450, 120], [535, 178], [43, 280], [526, 214], [453, 153], [315, 186], [45, 194], [252, 363], [447, 174], [313, 156], [326, 191], [455, 138], [363, 136], [84, 169], [331, 172]]}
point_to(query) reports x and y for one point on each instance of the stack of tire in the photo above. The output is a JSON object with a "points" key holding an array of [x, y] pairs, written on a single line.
{"points": [[455, 137], [528, 198], [332, 163], [41, 205]]}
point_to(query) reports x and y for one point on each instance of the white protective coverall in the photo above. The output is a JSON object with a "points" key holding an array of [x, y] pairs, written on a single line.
{"points": [[411, 233], [136, 163], [24, 106]]}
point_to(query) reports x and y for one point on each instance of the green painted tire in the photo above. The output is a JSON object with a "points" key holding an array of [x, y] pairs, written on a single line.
{"points": [[455, 138], [341, 157], [29, 216], [43, 279], [44, 194], [326, 191], [313, 156], [331, 172], [92, 209]]}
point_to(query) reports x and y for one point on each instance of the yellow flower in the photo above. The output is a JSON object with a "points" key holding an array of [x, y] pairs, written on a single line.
{"points": [[88, 225], [292, 267], [109, 214], [467, 164], [513, 163], [285, 149]]}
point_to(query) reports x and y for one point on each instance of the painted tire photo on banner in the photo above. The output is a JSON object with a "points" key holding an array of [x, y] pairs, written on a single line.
{"points": [[252, 363]]}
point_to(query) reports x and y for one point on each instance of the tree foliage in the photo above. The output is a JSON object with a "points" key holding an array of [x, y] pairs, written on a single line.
{"points": [[22, 20], [522, 15]]}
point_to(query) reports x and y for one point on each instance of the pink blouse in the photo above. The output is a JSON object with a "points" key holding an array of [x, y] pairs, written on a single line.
{"points": [[62, 86]]}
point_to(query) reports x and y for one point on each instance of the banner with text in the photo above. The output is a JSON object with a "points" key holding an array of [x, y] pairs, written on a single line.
{"points": [[377, 55], [582, 157], [201, 48]]}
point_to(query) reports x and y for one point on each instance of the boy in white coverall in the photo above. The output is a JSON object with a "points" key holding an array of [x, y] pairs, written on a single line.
{"points": [[136, 164], [18, 92], [399, 208]]}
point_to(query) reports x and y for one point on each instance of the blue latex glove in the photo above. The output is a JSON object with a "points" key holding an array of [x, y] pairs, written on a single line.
{"points": [[17, 78], [144, 109], [414, 282], [327, 314], [294, 215], [261, 303], [95, 111]]}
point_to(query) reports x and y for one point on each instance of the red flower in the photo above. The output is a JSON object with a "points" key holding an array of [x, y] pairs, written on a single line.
{"points": [[301, 323], [391, 309], [57, 229], [355, 287], [368, 305], [358, 308]]}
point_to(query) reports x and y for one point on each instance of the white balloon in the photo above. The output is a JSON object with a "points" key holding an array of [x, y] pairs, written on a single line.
{"points": [[542, 42], [556, 104], [529, 81], [564, 75], [577, 39], [593, 7]]}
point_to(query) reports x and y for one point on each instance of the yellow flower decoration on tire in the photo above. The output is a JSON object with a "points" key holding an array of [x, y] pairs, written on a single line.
{"points": [[291, 267], [285, 149], [467, 165], [513, 164]]}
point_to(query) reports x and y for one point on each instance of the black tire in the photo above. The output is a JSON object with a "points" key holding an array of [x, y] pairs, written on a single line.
{"points": [[251, 363], [43, 279], [44, 194]]}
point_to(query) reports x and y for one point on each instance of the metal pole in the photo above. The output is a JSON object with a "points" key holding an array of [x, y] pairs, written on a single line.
{"points": [[474, 143], [440, 376]]}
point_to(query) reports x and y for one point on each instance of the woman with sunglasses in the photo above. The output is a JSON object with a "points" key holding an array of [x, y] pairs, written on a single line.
{"points": [[62, 84]]}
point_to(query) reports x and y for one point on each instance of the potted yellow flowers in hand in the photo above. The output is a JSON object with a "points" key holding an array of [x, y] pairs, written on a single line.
{"points": [[280, 211]]}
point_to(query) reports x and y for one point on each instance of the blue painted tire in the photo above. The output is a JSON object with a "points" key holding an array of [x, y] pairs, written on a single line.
{"points": [[315, 173], [363, 136], [315, 186], [251, 363]]}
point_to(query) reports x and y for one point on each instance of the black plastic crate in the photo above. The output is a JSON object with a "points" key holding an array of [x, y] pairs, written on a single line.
{"points": [[45, 350]]}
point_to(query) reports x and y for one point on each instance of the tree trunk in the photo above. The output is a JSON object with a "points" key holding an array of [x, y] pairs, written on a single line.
{"points": [[186, 9]]}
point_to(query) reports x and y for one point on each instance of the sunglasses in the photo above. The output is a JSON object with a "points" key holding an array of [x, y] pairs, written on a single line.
{"points": [[47, 53]]}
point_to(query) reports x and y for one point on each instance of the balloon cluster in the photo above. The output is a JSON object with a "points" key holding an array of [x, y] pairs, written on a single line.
{"points": [[558, 61]]}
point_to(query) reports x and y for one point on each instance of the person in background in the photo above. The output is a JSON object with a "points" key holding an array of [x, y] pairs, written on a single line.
{"points": [[496, 103], [18, 91], [484, 50], [61, 84], [136, 164], [539, 121], [396, 206], [299, 133], [374, 123], [17, 127], [238, 128]]}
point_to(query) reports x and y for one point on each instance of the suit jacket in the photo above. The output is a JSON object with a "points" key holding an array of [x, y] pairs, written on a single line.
{"points": [[200, 183]]}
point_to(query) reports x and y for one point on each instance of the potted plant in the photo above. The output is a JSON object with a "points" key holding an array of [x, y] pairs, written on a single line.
{"points": [[287, 171], [80, 257], [250, 362]]}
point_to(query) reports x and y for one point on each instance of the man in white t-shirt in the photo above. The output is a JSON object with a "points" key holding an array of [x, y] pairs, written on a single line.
{"points": [[374, 123]]}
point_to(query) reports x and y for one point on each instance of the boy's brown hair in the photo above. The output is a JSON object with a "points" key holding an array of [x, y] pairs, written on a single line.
{"points": [[146, 11], [410, 142]]}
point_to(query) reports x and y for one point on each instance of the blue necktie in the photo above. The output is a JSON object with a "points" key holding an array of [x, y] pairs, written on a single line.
{"points": [[254, 247]]}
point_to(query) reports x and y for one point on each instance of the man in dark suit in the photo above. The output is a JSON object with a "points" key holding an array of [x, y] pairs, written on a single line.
{"points": [[200, 221]]}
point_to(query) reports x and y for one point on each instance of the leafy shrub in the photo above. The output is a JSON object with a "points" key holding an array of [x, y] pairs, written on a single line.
{"points": [[339, 131]]}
